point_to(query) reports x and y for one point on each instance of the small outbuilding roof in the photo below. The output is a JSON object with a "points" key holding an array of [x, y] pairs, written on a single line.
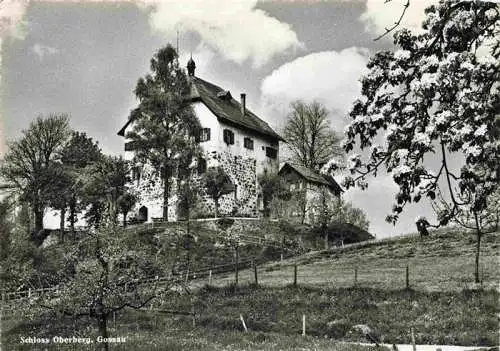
{"points": [[312, 176]]}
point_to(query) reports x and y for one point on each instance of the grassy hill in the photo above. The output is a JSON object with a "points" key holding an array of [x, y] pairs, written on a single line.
{"points": [[443, 306], [443, 261]]}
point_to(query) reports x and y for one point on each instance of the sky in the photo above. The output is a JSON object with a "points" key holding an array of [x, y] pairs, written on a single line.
{"points": [[85, 57]]}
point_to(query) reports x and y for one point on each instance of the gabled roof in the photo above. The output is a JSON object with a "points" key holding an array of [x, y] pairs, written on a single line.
{"points": [[224, 107], [227, 109], [312, 176]]}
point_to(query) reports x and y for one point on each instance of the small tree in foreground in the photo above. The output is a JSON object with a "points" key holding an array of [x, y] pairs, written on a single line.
{"points": [[438, 93], [113, 271]]}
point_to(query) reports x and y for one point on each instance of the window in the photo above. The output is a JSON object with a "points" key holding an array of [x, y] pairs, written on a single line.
{"points": [[204, 135], [202, 165], [248, 143], [271, 152], [228, 137]]}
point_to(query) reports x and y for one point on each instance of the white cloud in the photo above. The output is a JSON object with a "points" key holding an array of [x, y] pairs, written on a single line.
{"points": [[330, 77], [234, 28], [380, 14], [42, 51]]}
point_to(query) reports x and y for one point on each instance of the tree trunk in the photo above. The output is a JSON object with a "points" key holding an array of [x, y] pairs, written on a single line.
{"points": [[103, 332], [125, 219], [236, 265], [38, 213], [61, 224], [216, 205], [478, 247], [72, 215], [166, 192], [326, 238]]}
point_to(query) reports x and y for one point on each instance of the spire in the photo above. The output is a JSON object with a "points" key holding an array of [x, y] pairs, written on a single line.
{"points": [[191, 66]]}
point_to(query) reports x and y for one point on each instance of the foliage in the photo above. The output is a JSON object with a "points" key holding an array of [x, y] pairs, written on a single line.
{"points": [[322, 210], [104, 183], [310, 139], [164, 120], [188, 190], [126, 203], [29, 163], [217, 183], [112, 271], [273, 189], [5, 229], [79, 152], [438, 93], [345, 212]]}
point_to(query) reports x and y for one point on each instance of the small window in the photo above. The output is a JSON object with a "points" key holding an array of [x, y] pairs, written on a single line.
{"points": [[204, 135], [271, 152], [202, 166], [228, 137], [248, 143]]}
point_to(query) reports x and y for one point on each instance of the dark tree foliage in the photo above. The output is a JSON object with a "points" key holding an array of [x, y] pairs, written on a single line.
{"points": [[80, 152], [217, 183]]}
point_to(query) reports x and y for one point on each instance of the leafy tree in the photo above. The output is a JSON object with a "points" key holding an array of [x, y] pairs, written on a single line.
{"points": [[79, 152], [188, 189], [438, 93], [217, 183], [29, 164], [104, 184], [345, 212], [322, 211], [113, 271], [273, 189], [309, 136], [126, 203], [5, 229], [164, 119]]}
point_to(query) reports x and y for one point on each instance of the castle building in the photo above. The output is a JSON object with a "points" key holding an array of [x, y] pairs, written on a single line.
{"points": [[233, 138]]}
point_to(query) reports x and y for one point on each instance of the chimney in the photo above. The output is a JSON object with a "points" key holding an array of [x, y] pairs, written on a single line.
{"points": [[243, 103]]}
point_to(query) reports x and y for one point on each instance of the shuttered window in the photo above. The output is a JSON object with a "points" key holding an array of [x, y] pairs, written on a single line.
{"points": [[248, 143], [228, 136]]}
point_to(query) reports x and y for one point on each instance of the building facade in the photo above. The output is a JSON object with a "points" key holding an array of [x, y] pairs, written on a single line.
{"points": [[232, 138], [307, 187]]}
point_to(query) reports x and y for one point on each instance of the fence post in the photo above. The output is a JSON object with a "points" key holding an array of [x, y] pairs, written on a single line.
{"points": [[303, 325], [255, 274], [413, 339], [407, 277], [295, 275], [194, 316], [210, 277], [282, 247], [236, 266], [29, 292], [243, 322]]}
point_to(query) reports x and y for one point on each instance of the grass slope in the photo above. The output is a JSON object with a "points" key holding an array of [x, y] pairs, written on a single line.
{"points": [[442, 262]]}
